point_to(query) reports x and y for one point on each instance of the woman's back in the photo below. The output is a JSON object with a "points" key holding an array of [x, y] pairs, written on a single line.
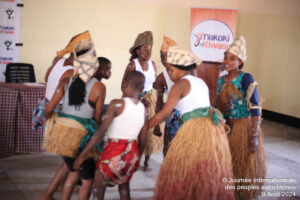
{"points": [[197, 97]]}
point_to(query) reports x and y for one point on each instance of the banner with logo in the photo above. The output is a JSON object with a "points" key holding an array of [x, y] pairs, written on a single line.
{"points": [[9, 34], [211, 32]]}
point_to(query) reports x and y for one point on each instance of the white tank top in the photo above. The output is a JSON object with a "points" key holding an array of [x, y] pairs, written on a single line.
{"points": [[198, 96], [129, 123], [149, 74], [169, 82], [53, 79]]}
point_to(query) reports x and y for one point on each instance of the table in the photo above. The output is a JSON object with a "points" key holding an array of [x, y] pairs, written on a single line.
{"points": [[17, 101]]}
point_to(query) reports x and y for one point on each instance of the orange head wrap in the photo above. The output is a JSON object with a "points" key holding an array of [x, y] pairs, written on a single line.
{"points": [[70, 48], [168, 42]]}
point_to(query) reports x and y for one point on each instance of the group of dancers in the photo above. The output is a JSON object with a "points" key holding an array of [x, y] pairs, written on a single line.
{"points": [[203, 143]]}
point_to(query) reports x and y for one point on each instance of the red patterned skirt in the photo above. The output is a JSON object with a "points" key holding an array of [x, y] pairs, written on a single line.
{"points": [[119, 160]]}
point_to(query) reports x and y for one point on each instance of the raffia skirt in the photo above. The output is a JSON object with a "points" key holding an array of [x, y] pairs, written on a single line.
{"points": [[246, 165], [153, 142], [63, 135], [196, 164]]}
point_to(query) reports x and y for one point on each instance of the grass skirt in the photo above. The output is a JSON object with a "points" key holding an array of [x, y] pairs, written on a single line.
{"points": [[245, 164], [63, 136], [197, 161], [153, 142]]}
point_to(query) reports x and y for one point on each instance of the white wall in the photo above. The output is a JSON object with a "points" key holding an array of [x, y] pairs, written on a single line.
{"points": [[269, 26]]}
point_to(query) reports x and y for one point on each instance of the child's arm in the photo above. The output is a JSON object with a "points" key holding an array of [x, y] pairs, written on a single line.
{"points": [[99, 135], [142, 136]]}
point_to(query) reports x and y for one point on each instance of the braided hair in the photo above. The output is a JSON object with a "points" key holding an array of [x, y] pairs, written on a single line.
{"points": [[77, 91]]}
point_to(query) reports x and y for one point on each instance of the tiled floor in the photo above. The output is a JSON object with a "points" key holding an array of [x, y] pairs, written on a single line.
{"points": [[26, 176]]}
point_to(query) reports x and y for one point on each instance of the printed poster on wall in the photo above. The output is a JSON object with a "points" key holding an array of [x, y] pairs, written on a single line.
{"points": [[211, 32], [9, 34]]}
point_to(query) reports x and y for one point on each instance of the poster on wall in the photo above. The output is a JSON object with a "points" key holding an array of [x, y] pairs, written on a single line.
{"points": [[9, 34], [211, 32]]}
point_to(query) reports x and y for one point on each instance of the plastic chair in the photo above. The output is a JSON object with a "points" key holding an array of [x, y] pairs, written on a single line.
{"points": [[19, 73]]}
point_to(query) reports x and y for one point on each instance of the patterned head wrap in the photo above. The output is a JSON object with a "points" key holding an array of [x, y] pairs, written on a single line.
{"points": [[168, 42], [238, 48], [184, 59], [85, 64], [142, 38]]}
